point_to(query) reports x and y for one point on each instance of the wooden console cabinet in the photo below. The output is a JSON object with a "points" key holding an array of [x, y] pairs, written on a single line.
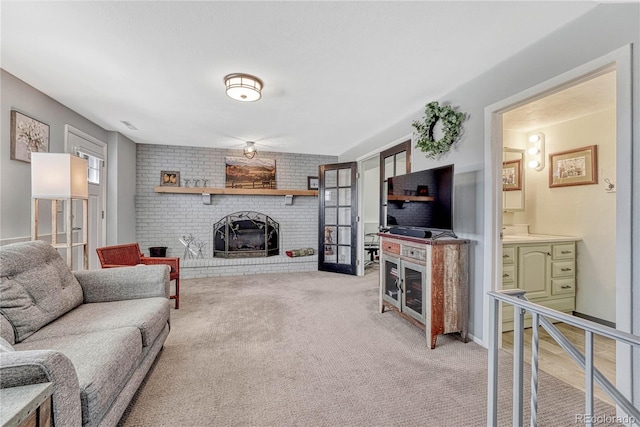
{"points": [[426, 281]]}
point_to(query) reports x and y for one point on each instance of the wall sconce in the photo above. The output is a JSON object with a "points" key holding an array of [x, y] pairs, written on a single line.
{"points": [[535, 151], [250, 150]]}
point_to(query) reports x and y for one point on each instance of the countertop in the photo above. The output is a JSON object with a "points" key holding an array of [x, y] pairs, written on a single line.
{"points": [[536, 238]]}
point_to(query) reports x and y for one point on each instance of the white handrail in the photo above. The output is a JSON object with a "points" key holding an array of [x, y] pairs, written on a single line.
{"points": [[541, 315]]}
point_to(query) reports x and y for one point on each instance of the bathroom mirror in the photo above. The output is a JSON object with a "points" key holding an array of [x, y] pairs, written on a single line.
{"points": [[513, 179]]}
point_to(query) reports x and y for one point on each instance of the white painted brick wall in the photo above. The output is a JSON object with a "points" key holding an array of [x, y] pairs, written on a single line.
{"points": [[162, 218]]}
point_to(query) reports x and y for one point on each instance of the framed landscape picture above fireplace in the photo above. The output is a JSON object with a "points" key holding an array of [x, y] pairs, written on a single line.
{"points": [[241, 172]]}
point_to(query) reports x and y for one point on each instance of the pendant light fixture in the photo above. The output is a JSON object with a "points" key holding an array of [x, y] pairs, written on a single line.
{"points": [[243, 87], [250, 150]]}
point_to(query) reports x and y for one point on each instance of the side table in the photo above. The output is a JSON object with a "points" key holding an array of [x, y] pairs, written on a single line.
{"points": [[26, 406]]}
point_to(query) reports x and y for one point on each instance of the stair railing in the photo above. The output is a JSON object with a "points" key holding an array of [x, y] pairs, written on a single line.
{"points": [[541, 317]]}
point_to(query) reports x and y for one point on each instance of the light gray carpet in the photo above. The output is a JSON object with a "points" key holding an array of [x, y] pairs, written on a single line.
{"points": [[311, 349]]}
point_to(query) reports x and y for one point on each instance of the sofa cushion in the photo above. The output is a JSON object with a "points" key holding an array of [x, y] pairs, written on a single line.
{"points": [[149, 315], [36, 286], [103, 361]]}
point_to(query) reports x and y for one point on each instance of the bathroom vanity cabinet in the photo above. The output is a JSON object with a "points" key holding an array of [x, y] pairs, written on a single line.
{"points": [[546, 269]]}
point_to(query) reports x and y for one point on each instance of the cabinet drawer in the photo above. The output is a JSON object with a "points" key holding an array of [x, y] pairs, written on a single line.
{"points": [[563, 286], [508, 275], [415, 253], [563, 269], [508, 254], [391, 247], [564, 251]]}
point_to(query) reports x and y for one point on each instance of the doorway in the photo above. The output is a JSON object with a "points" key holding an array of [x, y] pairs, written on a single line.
{"points": [[581, 115], [94, 151], [620, 61]]}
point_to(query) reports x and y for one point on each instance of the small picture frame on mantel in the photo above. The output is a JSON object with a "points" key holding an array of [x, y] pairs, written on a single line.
{"points": [[313, 182], [170, 178]]}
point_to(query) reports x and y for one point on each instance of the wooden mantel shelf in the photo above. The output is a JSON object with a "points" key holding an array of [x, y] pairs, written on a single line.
{"points": [[235, 191]]}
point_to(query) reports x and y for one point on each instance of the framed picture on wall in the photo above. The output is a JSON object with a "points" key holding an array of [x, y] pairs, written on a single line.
{"points": [[241, 172], [312, 183], [574, 167], [170, 178], [28, 135], [512, 175]]}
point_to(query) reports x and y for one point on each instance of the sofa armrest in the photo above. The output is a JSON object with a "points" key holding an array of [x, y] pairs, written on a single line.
{"points": [[117, 284], [19, 368]]}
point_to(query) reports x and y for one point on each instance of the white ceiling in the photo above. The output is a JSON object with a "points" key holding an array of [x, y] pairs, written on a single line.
{"points": [[579, 100], [335, 73]]}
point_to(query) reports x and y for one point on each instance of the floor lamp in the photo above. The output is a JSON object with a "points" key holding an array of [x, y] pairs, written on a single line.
{"points": [[55, 177]]}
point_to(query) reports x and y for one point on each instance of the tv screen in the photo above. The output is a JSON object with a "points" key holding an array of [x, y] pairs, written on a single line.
{"points": [[422, 199]]}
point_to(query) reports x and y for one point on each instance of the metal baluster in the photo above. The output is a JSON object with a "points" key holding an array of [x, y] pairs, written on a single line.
{"points": [[588, 377], [518, 363], [534, 370], [492, 392]]}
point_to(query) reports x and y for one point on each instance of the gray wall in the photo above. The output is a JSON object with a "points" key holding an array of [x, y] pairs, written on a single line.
{"points": [[121, 189], [15, 176], [598, 32], [162, 218]]}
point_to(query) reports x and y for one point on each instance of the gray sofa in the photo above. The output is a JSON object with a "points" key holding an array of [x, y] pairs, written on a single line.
{"points": [[93, 334]]}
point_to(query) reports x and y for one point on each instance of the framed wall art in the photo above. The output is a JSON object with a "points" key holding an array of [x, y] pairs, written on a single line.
{"points": [[312, 183], [241, 172], [28, 135], [512, 175], [574, 167], [170, 178]]}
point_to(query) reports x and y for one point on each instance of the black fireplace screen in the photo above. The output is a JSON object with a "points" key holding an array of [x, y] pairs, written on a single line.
{"points": [[246, 234]]}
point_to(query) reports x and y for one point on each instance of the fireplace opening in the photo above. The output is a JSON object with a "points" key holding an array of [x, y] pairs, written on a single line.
{"points": [[246, 234]]}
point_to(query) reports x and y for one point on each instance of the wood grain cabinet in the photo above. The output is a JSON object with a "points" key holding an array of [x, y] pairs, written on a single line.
{"points": [[547, 271], [426, 281]]}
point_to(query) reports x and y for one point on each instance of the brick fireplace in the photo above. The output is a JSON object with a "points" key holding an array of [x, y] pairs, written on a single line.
{"points": [[246, 234], [162, 219]]}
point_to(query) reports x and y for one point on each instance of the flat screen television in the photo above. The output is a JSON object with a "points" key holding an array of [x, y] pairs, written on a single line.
{"points": [[421, 201]]}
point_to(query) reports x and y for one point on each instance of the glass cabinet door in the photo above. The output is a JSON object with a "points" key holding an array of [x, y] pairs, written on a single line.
{"points": [[413, 298], [392, 284]]}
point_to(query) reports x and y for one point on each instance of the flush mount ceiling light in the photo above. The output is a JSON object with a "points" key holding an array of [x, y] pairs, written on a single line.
{"points": [[243, 87], [250, 150]]}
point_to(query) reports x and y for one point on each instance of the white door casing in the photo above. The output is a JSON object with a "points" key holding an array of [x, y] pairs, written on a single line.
{"points": [[84, 145], [620, 60]]}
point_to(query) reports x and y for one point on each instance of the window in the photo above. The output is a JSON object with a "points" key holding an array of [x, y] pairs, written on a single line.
{"points": [[94, 167]]}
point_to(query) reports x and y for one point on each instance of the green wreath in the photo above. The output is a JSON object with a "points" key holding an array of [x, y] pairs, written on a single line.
{"points": [[451, 127]]}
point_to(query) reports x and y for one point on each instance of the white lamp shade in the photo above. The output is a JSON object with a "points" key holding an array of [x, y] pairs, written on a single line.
{"points": [[58, 176]]}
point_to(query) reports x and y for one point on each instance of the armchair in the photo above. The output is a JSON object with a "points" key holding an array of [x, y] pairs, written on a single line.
{"points": [[129, 255]]}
